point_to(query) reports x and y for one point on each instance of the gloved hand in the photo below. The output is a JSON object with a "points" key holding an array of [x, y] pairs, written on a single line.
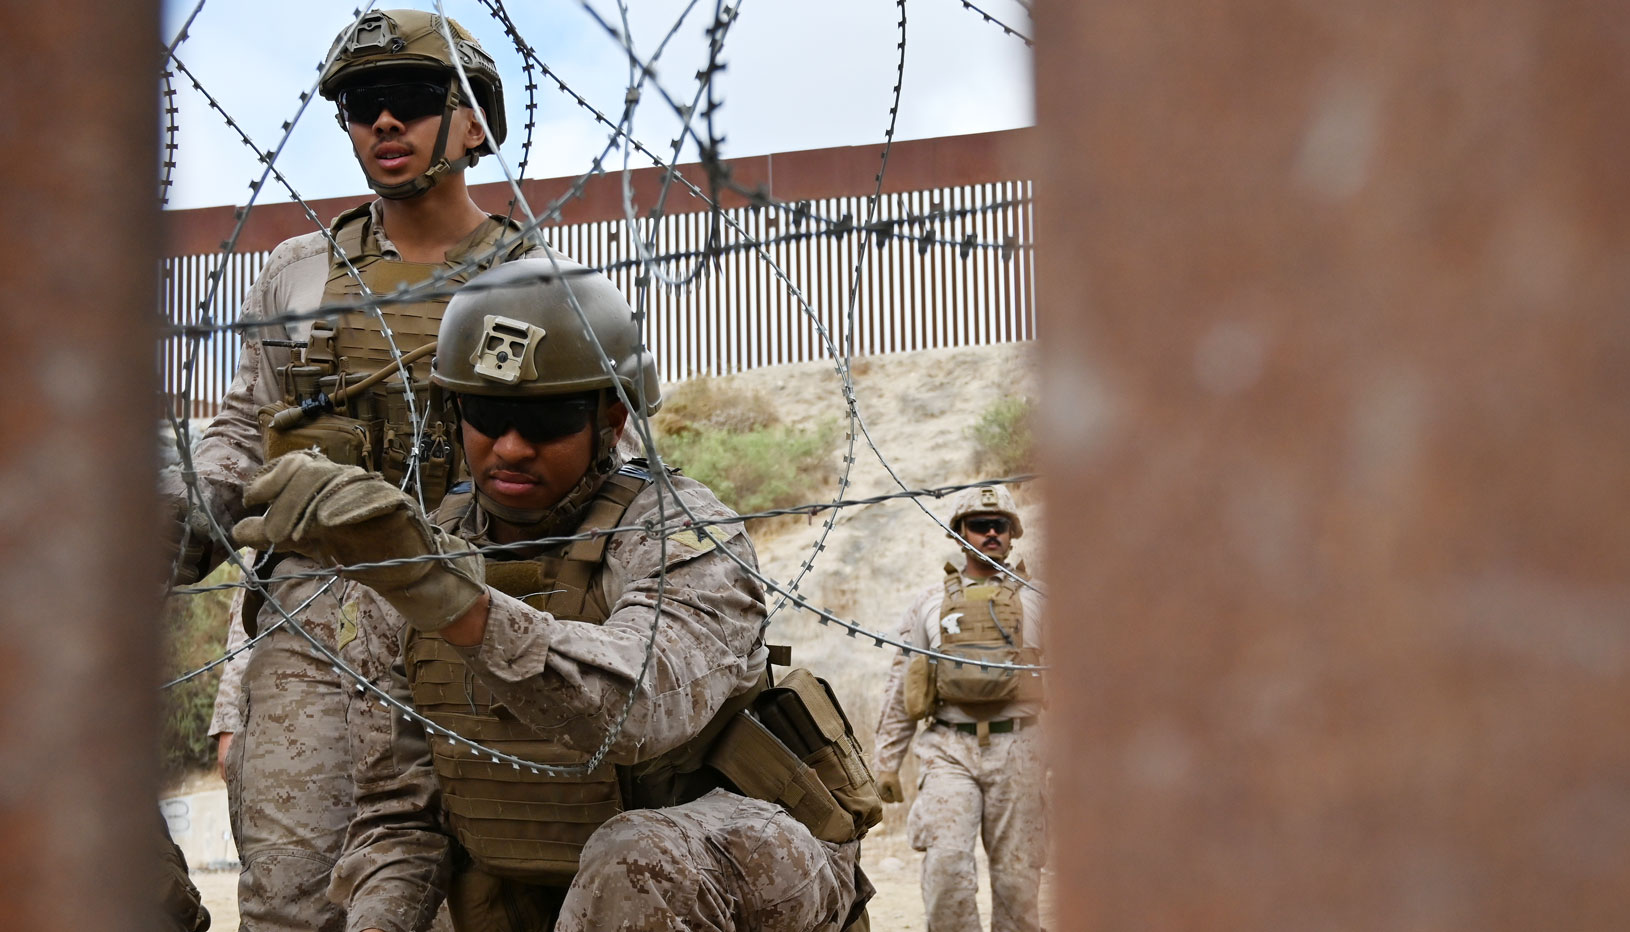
{"points": [[342, 515], [188, 547], [888, 787]]}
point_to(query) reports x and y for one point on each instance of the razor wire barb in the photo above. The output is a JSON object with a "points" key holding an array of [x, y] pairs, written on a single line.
{"points": [[915, 227]]}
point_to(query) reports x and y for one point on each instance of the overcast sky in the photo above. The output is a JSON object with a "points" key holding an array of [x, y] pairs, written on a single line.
{"points": [[800, 74]]}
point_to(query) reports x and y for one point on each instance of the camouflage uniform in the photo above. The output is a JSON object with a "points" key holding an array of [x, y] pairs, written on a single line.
{"points": [[966, 791], [228, 718], [721, 861], [288, 768]]}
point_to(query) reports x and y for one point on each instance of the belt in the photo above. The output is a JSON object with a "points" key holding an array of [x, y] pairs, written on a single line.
{"points": [[999, 727]]}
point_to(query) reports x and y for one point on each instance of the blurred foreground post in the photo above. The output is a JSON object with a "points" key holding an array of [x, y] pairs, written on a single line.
{"points": [[1336, 305], [78, 573]]}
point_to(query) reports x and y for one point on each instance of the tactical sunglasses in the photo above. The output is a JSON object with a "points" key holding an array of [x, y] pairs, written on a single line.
{"points": [[538, 420], [406, 102], [988, 525]]}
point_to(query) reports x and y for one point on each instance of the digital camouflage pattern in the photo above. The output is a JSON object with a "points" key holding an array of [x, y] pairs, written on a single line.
{"points": [[720, 862], [683, 867], [967, 792], [289, 769]]}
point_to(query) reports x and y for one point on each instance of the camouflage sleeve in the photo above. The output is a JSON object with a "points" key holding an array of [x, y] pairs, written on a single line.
{"points": [[393, 871], [681, 600], [228, 718], [230, 449], [895, 728]]}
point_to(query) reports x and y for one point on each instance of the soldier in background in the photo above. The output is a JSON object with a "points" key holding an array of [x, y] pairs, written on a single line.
{"points": [[724, 801], [980, 753], [414, 132]]}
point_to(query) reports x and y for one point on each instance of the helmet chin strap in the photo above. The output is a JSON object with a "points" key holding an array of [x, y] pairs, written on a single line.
{"points": [[439, 164]]}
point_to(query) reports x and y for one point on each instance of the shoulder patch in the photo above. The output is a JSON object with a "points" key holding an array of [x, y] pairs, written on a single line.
{"points": [[348, 626], [700, 540]]}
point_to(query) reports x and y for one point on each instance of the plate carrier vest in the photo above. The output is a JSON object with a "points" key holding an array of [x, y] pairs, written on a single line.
{"points": [[374, 430], [796, 748], [989, 626]]}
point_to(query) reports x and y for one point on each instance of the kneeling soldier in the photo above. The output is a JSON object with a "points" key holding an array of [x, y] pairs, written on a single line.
{"points": [[723, 801]]}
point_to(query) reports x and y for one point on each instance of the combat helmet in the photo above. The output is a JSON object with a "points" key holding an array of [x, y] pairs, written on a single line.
{"points": [[985, 499], [515, 332], [400, 45]]}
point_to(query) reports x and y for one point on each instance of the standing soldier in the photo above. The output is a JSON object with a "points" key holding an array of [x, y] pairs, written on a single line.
{"points": [[723, 801], [980, 755], [414, 132]]}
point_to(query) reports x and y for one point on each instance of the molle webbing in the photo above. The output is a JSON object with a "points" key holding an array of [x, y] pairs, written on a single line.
{"points": [[359, 338], [992, 611], [384, 432], [562, 584], [513, 822], [982, 622]]}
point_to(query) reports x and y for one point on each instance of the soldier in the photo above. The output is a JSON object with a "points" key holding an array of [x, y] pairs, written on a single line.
{"points": [[723, 801], [979, 756], [414, 132]]}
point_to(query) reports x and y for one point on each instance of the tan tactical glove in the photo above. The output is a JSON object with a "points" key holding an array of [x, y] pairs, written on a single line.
{"points": [[888, 787], [343, 515]]}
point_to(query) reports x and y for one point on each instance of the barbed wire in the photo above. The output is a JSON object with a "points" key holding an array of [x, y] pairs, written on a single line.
{"points": [[651, 530], [1006, 29], [650, 263]]}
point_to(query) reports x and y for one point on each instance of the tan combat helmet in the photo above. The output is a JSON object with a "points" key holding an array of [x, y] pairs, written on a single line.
{"points": [[515, 332], [985, 499], [401, 45]]}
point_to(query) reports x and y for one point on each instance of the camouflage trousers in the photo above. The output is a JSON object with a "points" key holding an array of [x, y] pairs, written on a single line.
{"points": [[718, 864], [967, 792], [289, 769]]}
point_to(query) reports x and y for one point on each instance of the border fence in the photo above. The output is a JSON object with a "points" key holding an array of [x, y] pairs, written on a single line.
{"points": [[944, 260]]}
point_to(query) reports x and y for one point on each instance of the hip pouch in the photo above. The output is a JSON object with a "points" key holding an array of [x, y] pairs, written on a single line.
{"points": [[795, 747], [922, 696]]}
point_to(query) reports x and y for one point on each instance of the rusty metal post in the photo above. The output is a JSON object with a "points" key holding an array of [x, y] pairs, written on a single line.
{"points": [[1338, 360], [78, 573]]}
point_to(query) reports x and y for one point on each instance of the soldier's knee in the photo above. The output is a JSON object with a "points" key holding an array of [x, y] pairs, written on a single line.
{"points": [[634, 847]]}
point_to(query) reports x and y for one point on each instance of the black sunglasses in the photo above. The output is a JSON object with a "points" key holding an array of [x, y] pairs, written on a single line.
{"points": [[406, 102], [988, 525], [538, 420]]}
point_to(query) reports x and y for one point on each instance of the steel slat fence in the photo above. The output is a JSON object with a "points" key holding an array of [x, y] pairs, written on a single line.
{"points": [[737, 312]]}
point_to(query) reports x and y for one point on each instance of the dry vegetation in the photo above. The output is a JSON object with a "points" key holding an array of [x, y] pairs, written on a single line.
{"points": [[735, 442], [195, 626]]}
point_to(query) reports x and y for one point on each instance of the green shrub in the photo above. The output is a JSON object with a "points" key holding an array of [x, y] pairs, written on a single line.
{"points": [[758, 469], [195, 628], [1002, 439], [733, 442]]}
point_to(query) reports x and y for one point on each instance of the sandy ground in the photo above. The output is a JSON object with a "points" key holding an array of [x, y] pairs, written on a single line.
{"points": [[918, 407]]}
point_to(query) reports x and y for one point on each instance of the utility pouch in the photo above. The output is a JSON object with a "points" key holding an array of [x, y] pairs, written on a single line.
{"points": [[344, 440], [797, 749], [921, 694], [968, 684]]}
